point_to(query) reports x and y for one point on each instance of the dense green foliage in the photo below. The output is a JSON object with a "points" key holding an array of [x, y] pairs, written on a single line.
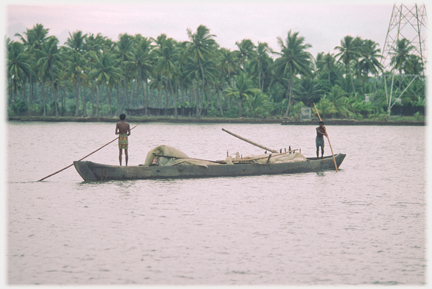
{"points": [[91, 75]]}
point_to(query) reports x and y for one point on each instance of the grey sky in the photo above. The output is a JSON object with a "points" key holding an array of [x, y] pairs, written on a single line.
{"points": [[322, 24]]}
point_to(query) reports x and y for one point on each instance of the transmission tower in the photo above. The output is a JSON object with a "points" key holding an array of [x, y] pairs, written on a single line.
{"points": [[409, 22]]}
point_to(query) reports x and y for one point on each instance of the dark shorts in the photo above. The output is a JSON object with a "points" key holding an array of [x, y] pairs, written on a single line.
{"points": [[319, 142]]}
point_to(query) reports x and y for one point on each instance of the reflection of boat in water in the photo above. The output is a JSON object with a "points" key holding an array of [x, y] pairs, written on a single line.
{"points": [[167, 162]]}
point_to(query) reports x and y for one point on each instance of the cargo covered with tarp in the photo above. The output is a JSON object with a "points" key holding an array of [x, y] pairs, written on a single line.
{"points": [[165, 155]]}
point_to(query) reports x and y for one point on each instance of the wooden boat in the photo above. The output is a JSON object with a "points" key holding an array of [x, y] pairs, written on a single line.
{"points": [[91, 171]]}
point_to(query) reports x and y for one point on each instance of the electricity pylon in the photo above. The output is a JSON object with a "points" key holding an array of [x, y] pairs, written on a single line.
{"points": [[409, 22]]}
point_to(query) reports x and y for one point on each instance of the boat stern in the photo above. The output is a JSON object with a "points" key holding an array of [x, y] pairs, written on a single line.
{"points": [[84, 171], [339, 159]]}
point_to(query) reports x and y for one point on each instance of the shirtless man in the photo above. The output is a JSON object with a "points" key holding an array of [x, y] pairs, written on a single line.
{"points": [[319, 140], [123, 129]]}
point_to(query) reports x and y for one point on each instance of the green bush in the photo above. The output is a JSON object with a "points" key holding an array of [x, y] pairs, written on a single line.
{"points": [[71, 109], [36, 109], [19, 107], [295, 110]]}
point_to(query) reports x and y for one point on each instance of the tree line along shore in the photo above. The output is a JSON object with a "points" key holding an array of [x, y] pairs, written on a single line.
{"points": [[412, 121], [92, 76]]}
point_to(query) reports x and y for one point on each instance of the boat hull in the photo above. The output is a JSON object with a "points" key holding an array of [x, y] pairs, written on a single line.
{"points": [[91, 171]]}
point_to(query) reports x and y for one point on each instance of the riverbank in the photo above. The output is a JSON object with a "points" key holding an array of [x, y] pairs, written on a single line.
{"points": [[391, 121]]}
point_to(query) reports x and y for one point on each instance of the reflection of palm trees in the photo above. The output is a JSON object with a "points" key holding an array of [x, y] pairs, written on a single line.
{"points": [[293, 60]]}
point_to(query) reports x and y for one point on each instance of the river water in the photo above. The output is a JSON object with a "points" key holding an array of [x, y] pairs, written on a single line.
{"points": [[364, 225]]}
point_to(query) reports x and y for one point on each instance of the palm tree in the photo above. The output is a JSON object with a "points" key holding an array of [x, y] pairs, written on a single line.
{"points": [[348, 51], [339, 99], [369, 62], [48, 58], [329, 65], [261, 62], [326, 107], [242, 89], [78, 64], [245, 52], [124, 46], [92, 44], [18, 69], [166, 65], [142, 60], [307, 91], [181, 75], [76, 41], [64, 83], [293, 60], [33, 39], [106, 73], [258, 104], [414, 65], [400, 54], [201, 47], [227, 63]]}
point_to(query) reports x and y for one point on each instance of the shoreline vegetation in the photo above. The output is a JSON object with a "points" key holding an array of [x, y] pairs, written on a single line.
{"points": [[390, 121], [92, 76]]}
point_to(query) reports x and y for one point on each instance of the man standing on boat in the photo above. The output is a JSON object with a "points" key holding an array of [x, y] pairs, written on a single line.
{"points": [[123, 129], [319, 140]]}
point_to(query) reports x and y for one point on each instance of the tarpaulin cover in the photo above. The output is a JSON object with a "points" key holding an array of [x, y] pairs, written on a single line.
{"points": [[173, 157], [166, 151], [170, 156]]}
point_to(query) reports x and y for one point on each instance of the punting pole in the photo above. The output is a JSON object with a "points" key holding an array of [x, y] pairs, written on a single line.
{"points": [[327, 138], [83, 157], [251, 142]]}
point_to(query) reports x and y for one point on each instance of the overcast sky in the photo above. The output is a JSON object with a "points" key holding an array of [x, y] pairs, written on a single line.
{"points": [[323, 24]]}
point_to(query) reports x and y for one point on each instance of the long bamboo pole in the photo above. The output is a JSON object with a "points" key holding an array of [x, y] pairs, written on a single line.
{"points": [[83, 157], [251, 142], [334, 160]]}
